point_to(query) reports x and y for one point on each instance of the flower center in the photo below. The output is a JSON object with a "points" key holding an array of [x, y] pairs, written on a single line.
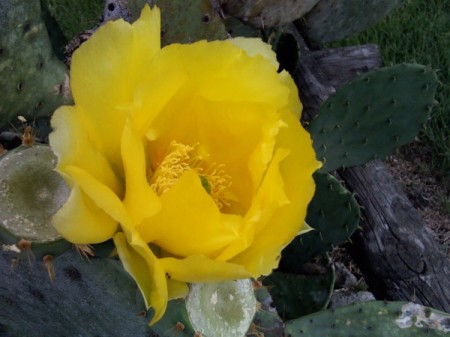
{"points": [[181, 158]]}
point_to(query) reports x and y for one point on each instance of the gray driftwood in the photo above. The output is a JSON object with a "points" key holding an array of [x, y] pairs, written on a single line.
{"points": [[394, 249]]}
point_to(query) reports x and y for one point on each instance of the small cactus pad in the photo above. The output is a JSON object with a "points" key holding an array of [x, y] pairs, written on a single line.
{"points": [[333, 20], [333, 214], [380, 319], [267, 13], [86, 298], [373, 115], [299, 295], [33, 82], [221, 309], [30, 194]]}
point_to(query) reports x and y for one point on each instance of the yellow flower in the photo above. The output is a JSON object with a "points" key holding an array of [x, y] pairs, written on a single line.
{"points": [[191, 157]]}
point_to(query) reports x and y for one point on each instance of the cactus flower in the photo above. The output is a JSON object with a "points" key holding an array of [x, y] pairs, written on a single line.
{"points": [[191, 157]]}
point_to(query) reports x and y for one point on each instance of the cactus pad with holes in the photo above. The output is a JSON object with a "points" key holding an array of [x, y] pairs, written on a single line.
{"points": [[381, 319], [33, 81], [184, 21], [85, 298]]}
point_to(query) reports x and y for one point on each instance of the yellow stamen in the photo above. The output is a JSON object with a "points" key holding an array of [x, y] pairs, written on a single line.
{"points": [[175, 163], [181, 158]]}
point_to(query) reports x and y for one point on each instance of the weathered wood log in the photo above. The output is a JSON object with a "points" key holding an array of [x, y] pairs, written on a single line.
{"points": [[313, 83], [342, 65], [394, 249]]}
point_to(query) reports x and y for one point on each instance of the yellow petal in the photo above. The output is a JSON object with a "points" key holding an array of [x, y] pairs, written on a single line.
{"points": [[161, 84], [72, 143], [221, 71], [268, 199], [294, 104], [256, 47], [107, 69], [263, 152], [271, 193], [177, 289], [287, 221], [140, 200], [147, 272], [99, 193], [147, 32], [189, 221], [79, 220], [198, 268]]}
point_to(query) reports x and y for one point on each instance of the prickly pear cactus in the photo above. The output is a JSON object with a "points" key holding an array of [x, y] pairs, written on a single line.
{"points": [[373, 115], [72, 296], [57, 292], [84, 298], [184, 21], [381, 319], [175, 321], [332, 20], [312, 288], [33, 82], [73, 17], [198, 20], [267, 13]]}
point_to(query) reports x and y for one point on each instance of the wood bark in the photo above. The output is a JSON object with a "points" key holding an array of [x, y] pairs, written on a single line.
{"points": [[394, 249]]}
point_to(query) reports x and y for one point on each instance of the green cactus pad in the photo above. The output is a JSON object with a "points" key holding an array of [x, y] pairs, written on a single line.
{"points": [[75, 16], [86, 298], [175, 321], [334, 215], [221, 309], [236, 27], [332, 20], [268, 13], [299, 295], [373, 115], [380, 319], [185, 21], [33, 82], [30, 193]]}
